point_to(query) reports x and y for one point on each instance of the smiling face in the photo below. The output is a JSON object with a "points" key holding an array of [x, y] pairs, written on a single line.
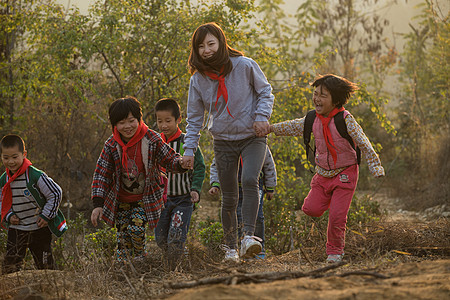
{"points": [[12, 158], [208, 47], [322, 101], [167, 123], [127, 127]]}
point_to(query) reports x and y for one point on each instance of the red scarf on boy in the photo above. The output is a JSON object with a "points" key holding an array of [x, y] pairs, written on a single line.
{"points": [[327, 132], [222, 89], [173, 137], [140, 133], [6, 190]]}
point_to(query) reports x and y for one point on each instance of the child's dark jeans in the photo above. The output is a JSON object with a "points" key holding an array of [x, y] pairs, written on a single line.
{"points": [[172, 228], [39, 243]]}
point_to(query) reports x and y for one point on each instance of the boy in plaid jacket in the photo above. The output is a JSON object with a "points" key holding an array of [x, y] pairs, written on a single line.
{"points": [[126, 189]]}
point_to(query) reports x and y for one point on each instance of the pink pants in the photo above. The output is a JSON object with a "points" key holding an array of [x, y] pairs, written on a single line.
{"points": [[335, 194]]}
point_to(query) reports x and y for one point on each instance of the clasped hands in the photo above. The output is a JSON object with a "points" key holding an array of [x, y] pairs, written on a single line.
{"points": [[262, 128]]}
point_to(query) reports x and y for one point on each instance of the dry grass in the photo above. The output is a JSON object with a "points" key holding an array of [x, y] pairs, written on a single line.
{"points": [[96, 278], [429, 239]]}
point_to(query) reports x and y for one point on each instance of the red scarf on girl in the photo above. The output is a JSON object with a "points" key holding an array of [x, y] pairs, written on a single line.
{"points": [[222, 90], [164, 178], [140, 132], [327, 132], [6, 190]]}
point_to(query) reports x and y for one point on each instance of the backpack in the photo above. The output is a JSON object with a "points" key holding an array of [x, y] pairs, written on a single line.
{"points": [[340, 126]]}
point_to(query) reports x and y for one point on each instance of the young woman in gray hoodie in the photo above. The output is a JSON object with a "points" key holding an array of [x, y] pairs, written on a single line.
{"points": [[238, 100]]}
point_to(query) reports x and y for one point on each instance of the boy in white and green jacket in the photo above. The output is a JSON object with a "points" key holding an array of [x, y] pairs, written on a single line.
{"points": [[29, 207]]}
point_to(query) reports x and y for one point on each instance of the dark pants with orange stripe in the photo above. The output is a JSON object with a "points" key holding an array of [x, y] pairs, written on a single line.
{"points": [[38, 241]]}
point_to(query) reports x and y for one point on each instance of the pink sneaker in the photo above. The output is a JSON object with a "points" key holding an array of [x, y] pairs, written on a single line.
{"points": [[335, 258]]}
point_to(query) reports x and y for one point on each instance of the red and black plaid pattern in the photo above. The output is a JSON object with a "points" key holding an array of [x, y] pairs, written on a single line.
{"points": [[107, 174]]}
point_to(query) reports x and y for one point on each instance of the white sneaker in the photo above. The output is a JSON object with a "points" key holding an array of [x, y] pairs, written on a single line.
{"points": [[231, 255], [250, 246]]}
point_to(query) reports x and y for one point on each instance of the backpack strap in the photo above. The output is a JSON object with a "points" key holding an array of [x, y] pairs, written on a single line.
{"points": [[307, 129], [342, 129]]}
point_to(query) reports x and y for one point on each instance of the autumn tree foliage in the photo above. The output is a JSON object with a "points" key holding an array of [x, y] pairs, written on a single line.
{"points": [[60, 69]]}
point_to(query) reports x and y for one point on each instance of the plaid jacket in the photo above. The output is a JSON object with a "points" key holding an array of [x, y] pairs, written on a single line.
{"points": [[105, 184]]}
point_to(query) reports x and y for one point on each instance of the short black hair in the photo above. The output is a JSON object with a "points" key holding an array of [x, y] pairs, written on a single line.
{"points": [[12, 140], [340, 88], [121, 108], [169, 104]]}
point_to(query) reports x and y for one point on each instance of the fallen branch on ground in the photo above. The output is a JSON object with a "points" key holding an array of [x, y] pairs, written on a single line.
{"points": [[374, 274], [254, 277]]}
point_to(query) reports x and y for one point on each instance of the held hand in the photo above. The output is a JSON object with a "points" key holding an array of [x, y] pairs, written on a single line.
{"points": [[195, 197], [14, 220], [269, 195], [41, 222], [187, 162], [214, 190], [261, 128], [97, 214]]}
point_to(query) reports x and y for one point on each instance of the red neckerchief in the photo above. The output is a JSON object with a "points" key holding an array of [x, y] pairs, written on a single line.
{"points": [[173, 137], [164, 179], [6, 190], [140, 133], [327, 132], [222, 89]]}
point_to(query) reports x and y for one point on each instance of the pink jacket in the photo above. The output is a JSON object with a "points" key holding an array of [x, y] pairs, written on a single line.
{"points": [[346, 155]]}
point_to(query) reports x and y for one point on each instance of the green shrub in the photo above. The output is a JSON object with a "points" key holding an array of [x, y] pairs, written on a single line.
{"points": [[68, 248], [287, 229], [363, 210], [210, 234], [101, 243], [281, 225]]}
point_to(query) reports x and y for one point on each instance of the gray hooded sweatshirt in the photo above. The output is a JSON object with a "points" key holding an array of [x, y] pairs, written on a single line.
{"points": [[250, 99]]}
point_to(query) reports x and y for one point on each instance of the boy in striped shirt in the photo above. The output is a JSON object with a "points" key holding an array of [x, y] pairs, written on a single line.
{"points": [[182, 190], [29, 206]]}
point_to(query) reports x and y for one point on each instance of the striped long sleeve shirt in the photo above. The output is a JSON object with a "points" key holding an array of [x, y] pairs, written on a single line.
{"points": [[295, 128], [25, 207]]}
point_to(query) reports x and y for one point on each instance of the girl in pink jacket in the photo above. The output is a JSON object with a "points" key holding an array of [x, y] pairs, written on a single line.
{"points": [[334, 183]]}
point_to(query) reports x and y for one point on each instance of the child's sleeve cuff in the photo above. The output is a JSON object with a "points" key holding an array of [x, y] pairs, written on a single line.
{"points": [[98, 202], [189, 152], [8, 216], [377, 171], [44, 217]]}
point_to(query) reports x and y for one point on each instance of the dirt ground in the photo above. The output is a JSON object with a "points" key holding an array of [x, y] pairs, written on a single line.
{"points": [[415, 264], [397, 274], [412, 280]]}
